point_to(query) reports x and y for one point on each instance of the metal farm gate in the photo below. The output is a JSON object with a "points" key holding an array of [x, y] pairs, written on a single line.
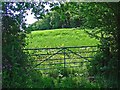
{"points": [[62, 57]]}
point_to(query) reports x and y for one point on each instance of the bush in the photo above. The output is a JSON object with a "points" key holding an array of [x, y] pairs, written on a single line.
{"points": [[104, 69], [15, 61]]}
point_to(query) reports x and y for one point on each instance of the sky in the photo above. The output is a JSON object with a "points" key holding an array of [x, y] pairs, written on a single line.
{"points": [[30, 17]]}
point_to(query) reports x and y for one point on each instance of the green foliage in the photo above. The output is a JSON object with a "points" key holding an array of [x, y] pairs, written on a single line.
{"points": [[105, 62], [61, 16], [104, 66], [12, 55], [58, 79], [16, 62]]}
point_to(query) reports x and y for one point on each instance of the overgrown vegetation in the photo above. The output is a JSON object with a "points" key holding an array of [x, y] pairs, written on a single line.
{"points": [[16, 64], [102, 20], [106, 61], [63, 78], [14, 59]]}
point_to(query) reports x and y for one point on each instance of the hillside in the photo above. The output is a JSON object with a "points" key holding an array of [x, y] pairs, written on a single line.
{"points": [[59, 38]]}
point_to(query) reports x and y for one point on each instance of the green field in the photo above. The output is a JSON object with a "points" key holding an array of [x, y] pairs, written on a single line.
{"points": [[54, 74], [59, 38]]}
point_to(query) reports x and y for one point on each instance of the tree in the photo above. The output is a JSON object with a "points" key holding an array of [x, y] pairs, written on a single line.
{"points": [[15, 60], [105, 22], [67, 12], [55, 20], [64, 15]]}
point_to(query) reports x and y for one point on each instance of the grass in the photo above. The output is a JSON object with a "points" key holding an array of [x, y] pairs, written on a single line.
{"points": [[56, 80], [59, 38], [61, 78]]}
